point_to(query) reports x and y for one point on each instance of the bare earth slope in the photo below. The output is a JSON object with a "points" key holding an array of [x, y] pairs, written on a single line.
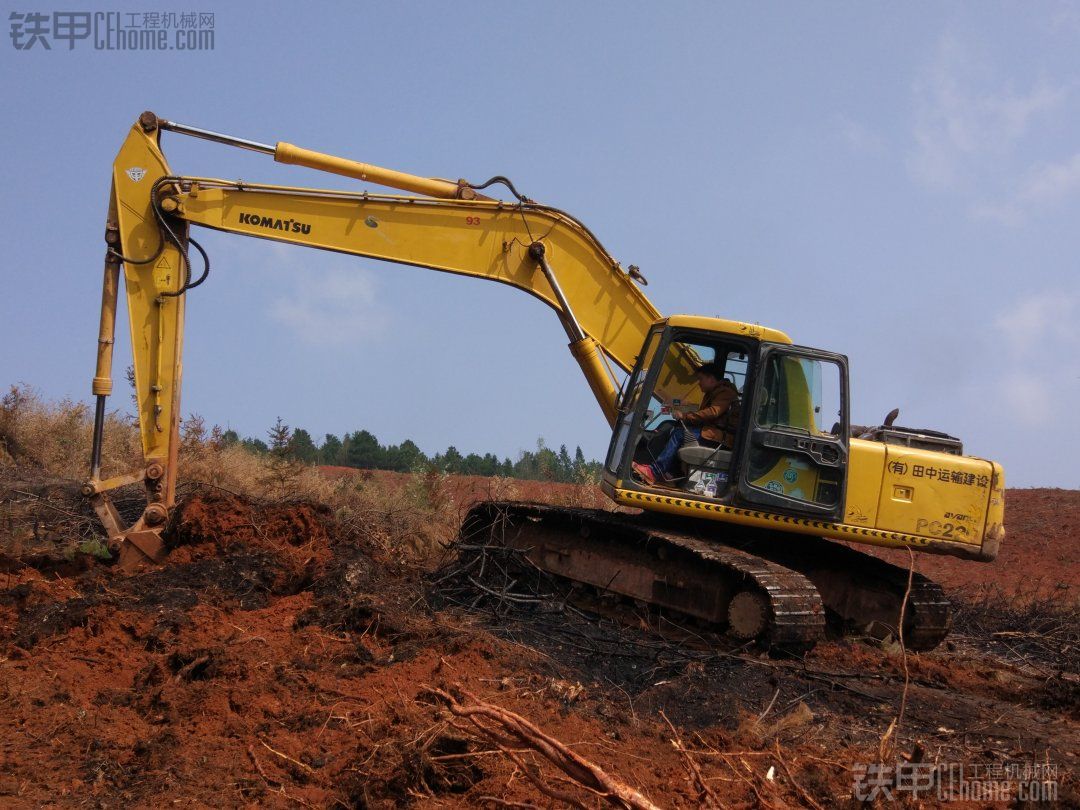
{"points": [[280, 658]]}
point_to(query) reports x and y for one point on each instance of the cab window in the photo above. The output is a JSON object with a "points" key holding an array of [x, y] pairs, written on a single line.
{"points": [[801, 393]]}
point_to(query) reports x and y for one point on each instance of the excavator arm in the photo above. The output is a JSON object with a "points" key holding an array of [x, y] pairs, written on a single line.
{"points": [[537, 249], [454, 229]]}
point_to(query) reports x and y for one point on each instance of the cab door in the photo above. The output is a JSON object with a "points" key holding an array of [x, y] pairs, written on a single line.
{"points": [[794, 448], [632, 402]]}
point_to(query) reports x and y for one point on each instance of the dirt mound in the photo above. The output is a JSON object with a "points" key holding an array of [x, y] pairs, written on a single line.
{"points": [[276, 549], [215, 522], [225, 670], [280, 658]]}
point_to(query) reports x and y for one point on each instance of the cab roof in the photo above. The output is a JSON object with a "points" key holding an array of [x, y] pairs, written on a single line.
{"points": [[724, 325]]}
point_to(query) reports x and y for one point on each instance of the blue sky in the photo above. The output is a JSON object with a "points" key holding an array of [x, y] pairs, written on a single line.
{"points": [[898, 182]]}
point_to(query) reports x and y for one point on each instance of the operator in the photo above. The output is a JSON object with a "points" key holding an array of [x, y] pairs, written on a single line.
{"points": [[713, 424]]}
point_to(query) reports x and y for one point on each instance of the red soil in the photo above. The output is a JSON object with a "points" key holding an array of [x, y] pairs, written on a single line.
{"points": [[1040, 554], [277, 660]]}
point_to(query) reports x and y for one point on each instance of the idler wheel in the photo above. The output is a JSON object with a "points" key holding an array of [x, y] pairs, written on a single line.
{"points": [[748, 614]]}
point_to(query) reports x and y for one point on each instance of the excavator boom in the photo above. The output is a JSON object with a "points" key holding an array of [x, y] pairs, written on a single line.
{"points": [[455, 229]]}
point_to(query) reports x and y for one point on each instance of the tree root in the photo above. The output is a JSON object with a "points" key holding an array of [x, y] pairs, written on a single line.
{"points": [[512, 731]]}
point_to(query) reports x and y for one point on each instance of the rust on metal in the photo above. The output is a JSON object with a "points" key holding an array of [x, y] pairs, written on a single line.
{"points": [[141, 548], [156, 514], [148, 121], [748, 614]]}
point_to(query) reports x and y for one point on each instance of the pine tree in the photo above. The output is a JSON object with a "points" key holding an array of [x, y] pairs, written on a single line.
{"points": [[361, 449], [364, 451], [192, 433], [452, 460], [565, 470], [253, 445], [283, 468], [581, 473], [547, 462], [412, 457], [301, 447], [280, 435], [331, 451], [217, 438]]}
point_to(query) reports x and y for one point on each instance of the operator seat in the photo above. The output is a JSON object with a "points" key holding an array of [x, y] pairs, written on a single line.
{"points": [[705, 458]]}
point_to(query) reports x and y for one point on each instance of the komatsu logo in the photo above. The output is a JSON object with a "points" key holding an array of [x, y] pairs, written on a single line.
{"points": [[288, 225]]}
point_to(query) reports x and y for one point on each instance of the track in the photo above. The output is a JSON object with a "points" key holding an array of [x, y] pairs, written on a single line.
{"points": [[777, 589], [617, 554], [863, 594]]}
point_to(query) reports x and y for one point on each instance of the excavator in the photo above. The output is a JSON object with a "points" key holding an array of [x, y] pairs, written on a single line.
{"points": [[758, 538]]}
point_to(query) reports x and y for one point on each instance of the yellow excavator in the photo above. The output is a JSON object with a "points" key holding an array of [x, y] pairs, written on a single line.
{"points": [[741, 536]]}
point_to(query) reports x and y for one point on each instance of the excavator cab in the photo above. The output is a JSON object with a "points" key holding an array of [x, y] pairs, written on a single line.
{"points": [[787, 447]]}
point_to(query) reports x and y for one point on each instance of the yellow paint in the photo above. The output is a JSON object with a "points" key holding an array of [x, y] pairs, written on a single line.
{"points": [[891, 501], [791, 476], [480, 239], [588, 354], [287, 153], [675, 504], [156, 322], [941, 495], [750, 330], [866, 463]]}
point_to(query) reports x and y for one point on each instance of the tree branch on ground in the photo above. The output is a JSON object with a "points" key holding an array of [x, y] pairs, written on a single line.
{"points": [[507, 729]]}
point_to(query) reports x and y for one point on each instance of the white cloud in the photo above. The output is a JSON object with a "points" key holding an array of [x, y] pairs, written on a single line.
{"points": [[1051, 182], [1040, 369], [1038, 318], [331, 308], [965, 121], [1044, 185], [321, 297]]}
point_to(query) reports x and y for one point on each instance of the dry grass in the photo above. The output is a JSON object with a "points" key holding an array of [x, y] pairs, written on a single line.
{"points": [[53, 439], [1038, 628], [406, 520], [42, 441]]}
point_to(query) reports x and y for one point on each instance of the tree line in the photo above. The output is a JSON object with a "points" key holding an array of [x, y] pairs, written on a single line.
{"points": [[363, 451]]}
